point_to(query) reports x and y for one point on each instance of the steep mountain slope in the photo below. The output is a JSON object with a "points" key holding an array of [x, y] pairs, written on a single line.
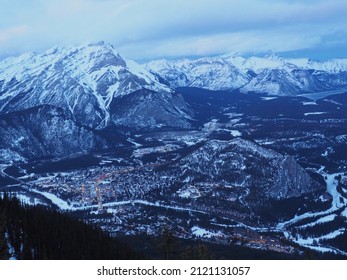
{"points": [[83, 81], [44, 131], [155, 110]]}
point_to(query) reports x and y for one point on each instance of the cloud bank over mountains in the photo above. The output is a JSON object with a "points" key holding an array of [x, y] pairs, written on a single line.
{"points": [[151, 29]]}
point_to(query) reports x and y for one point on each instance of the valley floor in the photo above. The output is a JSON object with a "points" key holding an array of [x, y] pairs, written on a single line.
{"points": [[135, 190]]}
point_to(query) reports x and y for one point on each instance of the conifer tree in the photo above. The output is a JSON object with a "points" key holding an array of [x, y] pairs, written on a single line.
{"points": [[4, 255], [167, 243]]}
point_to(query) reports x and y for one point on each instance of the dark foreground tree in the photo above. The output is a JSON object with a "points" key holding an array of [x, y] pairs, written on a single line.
{"points": [[3, 242], [167, 244], [41, 233]]}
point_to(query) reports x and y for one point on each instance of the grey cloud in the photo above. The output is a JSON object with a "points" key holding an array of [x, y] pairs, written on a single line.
{"points": [[145, 28]]}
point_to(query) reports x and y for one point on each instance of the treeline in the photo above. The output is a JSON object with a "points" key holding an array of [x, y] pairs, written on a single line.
{"points": [[36, 232], [339, 241]]}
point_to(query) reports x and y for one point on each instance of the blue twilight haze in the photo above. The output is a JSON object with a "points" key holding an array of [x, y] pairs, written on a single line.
{"points": [[149, 29]]}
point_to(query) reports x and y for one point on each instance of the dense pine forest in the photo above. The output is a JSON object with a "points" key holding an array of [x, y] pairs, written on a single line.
{"points": [[28, 232]]}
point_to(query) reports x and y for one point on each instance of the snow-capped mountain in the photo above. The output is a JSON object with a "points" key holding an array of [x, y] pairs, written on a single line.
{"points": [[209, 73], [272, 74], [85, 81], [280, 81], [331, 66]]}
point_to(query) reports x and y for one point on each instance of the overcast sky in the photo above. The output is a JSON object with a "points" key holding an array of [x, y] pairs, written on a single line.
{"points": [[150, 29]]}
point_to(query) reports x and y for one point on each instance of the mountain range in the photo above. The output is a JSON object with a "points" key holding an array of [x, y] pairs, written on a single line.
{"points": [[52, 104], [98, 88], [273, 75], [89, 83], [72, 93]]}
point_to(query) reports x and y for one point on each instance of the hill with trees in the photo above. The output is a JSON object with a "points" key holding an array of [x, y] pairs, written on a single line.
{"points": [[36, 232]]}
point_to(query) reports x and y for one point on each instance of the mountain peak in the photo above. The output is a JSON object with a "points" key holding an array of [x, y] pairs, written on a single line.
{"points": [[214, 73], [102, 45], [99, 43], [273, 56], [83, 80]]}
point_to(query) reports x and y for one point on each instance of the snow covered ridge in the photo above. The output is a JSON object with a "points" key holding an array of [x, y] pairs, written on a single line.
{"points": [[86, 81], [89, 65], [209, 73], [271, 74]]}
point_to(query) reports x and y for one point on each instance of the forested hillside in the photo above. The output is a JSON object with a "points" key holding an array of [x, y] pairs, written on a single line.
{"points": [[28, 232]]}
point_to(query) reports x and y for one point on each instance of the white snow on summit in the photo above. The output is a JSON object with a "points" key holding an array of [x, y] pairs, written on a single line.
{"points": [[271, 74], [83, 80], [210, 73]]}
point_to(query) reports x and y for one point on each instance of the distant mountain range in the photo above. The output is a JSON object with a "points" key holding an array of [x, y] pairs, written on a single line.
{"points": [[271, 75]]}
